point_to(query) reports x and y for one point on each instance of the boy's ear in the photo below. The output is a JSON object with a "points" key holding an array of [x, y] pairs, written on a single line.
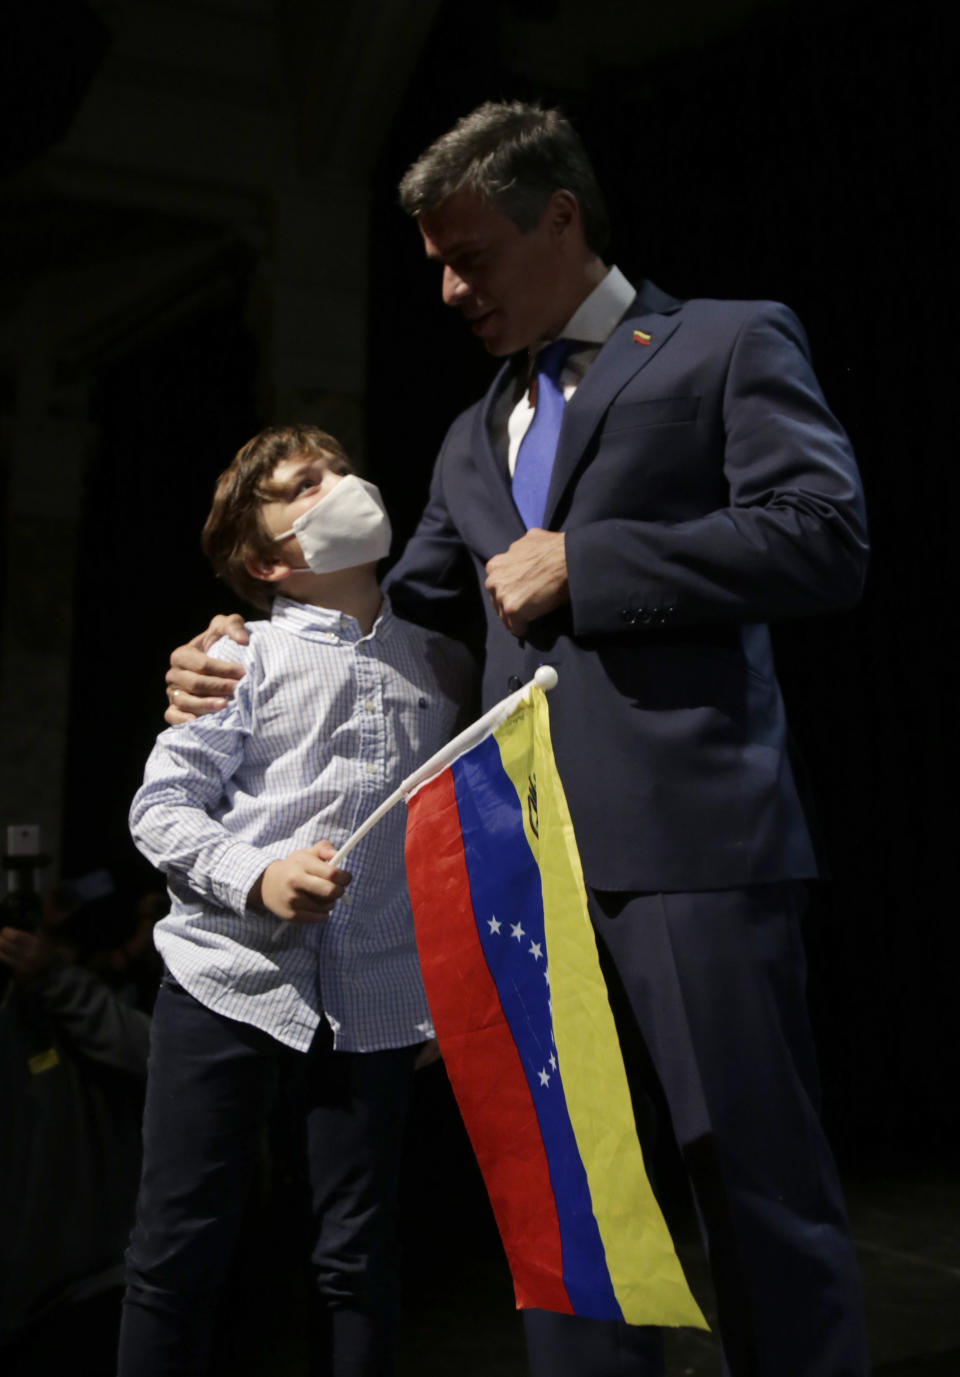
{"points": [[266, 570]]}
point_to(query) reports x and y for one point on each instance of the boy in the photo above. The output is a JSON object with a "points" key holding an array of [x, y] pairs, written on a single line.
{"points": [[265, 948]]}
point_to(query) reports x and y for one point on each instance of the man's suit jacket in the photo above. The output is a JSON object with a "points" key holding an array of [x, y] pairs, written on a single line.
{"points": [[705, 489]]}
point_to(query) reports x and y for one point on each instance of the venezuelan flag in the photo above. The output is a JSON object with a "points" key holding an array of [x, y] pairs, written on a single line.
{"points": [[513, 980]]}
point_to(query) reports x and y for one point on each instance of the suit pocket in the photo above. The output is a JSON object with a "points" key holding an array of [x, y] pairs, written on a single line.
{"points": [[658, 411]]}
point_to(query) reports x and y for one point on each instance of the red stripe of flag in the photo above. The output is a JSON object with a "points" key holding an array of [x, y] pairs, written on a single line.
{"points": [[478, 1050]]}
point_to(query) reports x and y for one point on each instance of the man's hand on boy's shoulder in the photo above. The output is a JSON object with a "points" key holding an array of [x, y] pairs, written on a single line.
{"points": [[197, 684], [302, 887]]}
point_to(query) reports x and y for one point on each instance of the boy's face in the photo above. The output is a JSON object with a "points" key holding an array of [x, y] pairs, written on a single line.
{"points": [[295, 485]]}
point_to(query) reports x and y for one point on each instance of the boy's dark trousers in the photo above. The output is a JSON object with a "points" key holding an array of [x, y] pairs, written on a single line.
{"points": [[212, 1083]]}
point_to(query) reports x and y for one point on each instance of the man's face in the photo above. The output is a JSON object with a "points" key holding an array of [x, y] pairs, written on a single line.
{"points": [[510, 287]]}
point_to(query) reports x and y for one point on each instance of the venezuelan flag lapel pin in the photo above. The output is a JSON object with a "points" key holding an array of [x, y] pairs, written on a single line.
{"points": [[641, 337]]}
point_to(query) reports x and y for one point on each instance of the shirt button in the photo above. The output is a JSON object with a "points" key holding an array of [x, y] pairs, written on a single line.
{"points": [[368, 705], [370, 767], [514, 683]]}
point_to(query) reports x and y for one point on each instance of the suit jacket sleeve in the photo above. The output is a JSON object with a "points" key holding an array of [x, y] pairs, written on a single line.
{"points": [[791, 538], [433, 583]]}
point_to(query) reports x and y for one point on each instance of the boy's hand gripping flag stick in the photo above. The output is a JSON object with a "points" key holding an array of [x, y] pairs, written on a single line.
{"points": [[545, 678]]}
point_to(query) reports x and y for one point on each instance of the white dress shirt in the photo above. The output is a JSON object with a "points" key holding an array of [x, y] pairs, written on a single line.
{"points": [[593, 322], [325, 723]]}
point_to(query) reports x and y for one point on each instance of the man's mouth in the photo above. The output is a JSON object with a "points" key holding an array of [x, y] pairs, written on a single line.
{"points": [[479, 323]]}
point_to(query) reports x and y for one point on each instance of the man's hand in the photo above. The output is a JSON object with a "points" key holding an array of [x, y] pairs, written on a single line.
{"points": [[303, 887], [529, 579], [195, 683], [28, 954]]}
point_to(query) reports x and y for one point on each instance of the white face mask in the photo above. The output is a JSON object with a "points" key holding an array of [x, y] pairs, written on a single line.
{"points": [[346, 527]]}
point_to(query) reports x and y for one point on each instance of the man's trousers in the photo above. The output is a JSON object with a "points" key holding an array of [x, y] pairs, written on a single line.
{"points": [[708, 990], [212, 1083]]}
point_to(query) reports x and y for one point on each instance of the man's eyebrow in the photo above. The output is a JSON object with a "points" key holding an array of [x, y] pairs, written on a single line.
{"points": [[451, 251]]}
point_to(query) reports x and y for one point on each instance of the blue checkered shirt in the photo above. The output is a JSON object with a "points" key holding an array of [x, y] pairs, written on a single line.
{"points": [[325, 723]]}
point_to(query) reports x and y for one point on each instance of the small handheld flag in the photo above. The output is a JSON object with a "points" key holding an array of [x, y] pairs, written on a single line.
{"points": [[513, 981]]}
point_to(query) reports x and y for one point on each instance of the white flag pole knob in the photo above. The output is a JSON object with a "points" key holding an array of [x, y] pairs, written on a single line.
{"points": [[546, 677]]}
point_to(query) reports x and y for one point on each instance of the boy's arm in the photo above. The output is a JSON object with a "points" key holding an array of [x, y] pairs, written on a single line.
{"points": [[170, 817], [301, 887], [172, 824]]}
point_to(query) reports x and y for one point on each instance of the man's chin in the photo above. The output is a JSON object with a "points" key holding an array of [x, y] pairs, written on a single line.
{"points": [[497, 348], [487, 330], [497, 344]]}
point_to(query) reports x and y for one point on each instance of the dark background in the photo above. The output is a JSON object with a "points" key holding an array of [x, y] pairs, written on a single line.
{"points": [[807, 156]]}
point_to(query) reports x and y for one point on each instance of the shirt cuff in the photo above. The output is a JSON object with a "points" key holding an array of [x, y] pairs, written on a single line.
{"points": [[239, 868]]}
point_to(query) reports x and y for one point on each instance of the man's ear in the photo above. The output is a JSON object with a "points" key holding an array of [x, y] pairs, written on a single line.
{"points": [[266, 570], [563, 209]]}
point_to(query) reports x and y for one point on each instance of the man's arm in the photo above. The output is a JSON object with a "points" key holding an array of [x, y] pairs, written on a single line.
{"points": [[529, 579], [792, 540], [433, 583], [196, 683]]}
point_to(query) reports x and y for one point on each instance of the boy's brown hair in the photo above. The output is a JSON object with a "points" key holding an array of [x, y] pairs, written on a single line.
{"points": [[235, 530]]}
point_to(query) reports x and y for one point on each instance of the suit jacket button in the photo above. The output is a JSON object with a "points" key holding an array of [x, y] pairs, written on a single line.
{"points": [[643, 617], [626, 615], [514, 683]]}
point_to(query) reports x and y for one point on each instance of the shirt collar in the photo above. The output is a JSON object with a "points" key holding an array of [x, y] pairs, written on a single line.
{"points": [[325, 623], [596, 318], [592, 323]]}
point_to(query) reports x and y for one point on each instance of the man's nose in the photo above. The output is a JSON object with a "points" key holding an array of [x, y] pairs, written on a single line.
{"points": [[454, 288]]}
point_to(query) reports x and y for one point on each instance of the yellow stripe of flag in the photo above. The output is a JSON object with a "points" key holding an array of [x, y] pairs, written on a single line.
{"points": [[644, 1269]]}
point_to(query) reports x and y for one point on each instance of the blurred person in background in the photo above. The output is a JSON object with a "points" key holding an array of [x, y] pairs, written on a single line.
{"points": [[74, 1027]]}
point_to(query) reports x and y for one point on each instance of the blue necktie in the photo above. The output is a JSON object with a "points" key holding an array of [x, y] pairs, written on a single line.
{"points": [[531, 474]]}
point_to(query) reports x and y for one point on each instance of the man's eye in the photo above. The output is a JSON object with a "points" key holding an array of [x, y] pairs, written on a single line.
{"points": [[307, 485]]}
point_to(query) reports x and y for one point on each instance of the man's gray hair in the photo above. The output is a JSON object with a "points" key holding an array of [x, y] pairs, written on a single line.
{"points": [[515, 156]]}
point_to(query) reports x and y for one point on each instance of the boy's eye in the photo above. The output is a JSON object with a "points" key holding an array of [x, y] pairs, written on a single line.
{"points": [[308, 485]]}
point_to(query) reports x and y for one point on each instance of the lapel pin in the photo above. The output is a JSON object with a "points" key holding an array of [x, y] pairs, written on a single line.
{"points": [[641, 337]]}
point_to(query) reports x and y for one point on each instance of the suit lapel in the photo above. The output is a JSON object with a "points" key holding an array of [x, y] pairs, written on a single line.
{"points": [[493, 467], [656, 316]]}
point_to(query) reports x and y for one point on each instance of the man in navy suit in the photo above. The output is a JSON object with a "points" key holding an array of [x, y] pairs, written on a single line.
{"points": [[698, 489]]}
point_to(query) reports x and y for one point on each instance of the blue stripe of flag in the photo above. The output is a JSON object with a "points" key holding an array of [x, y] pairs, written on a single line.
{"points": [[505, 887]]}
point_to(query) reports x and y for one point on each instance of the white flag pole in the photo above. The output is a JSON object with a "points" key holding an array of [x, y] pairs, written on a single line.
{"points": [[545, 678]]}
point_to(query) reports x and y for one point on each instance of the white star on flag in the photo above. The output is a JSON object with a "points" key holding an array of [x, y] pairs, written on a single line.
{"points": [[493, 924], [553, 1062], [544, 1077], [517, 931], [536, 951]]}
